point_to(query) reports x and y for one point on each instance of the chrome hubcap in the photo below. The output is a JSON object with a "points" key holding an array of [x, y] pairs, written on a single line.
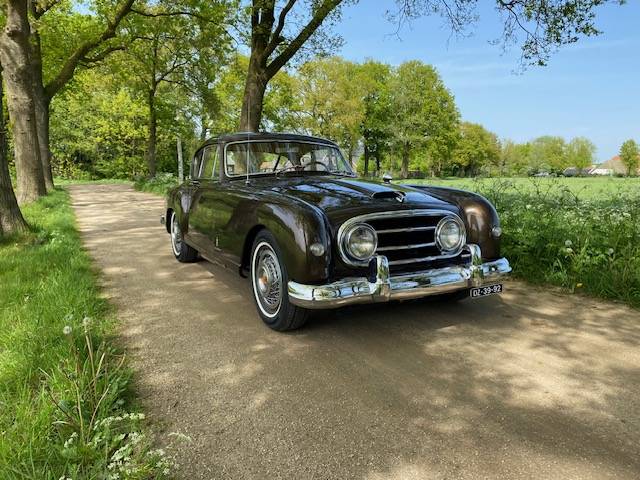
{"points": [[176, 235], [267, 279]]}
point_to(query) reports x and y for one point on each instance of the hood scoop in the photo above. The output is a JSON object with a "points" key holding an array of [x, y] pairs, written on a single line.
{"points": [[390, 194]]}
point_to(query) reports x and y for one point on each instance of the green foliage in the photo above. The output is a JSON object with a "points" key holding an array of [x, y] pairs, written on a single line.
{"points": [[332, 100], [424, 115], [160, 184], [64, 387], [580, 234], [580, 153], [98, 129], [476, 148], [630, 156]]}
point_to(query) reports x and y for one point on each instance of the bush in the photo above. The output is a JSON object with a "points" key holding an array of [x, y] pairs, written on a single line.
{"points": [[576, 240], [160, 184]]}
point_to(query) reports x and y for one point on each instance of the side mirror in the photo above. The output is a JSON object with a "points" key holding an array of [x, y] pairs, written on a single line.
{"points": [[386, 178]]}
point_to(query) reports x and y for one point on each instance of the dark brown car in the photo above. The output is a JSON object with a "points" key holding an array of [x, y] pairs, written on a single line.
{"points": [[288, 212]]}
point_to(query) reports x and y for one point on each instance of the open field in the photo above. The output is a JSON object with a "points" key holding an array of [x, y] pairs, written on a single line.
{"points": [[582, 234], [65, 404]]}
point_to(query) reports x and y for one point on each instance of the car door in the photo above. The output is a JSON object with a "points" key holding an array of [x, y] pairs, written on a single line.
{"points": [[203, 218]]}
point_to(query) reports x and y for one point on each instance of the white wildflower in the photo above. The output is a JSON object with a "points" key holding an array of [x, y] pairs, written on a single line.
{"points": [[610, 251], [86, 322], [569, 250], [67, 330], [528, 206], [568, 243]]}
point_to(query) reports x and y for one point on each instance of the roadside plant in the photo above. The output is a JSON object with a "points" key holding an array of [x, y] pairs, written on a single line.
{"points": [[97, 437]]}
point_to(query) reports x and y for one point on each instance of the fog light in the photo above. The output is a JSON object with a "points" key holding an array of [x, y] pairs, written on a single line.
{"points": [[496, 232], [317, 249]]}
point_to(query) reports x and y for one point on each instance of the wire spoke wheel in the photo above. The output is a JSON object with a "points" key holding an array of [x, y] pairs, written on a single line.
{"points": [[267, 280], [176, 235]]}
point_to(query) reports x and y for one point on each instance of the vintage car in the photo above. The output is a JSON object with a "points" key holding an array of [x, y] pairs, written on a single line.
{"points": [[288, 212]]}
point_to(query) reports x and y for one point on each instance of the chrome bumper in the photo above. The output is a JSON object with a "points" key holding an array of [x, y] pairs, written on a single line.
{"points": [[402, 287]]}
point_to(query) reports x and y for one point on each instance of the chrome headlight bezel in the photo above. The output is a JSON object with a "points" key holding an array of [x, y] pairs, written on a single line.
{"points": [[462, 238], [346, 239]]}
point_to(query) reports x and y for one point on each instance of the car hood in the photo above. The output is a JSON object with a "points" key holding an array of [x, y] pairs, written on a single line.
{"points": [[342, 198]]}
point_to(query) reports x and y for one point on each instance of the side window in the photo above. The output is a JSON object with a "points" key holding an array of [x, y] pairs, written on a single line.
{"points": [[210, 162], [196, 164]]}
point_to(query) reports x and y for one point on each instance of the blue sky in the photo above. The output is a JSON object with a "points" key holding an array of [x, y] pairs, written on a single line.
{"points": [[589, 89]]}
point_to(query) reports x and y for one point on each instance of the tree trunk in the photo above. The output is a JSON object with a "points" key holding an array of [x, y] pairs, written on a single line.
{"points": [[152, 134], [405, 161], [11, 219], [42, 103], [254, 90], [366, 159], [15, 59]]}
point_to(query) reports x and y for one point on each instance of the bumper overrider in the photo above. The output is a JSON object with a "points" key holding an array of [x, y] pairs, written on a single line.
{"points": [[402, 287]]}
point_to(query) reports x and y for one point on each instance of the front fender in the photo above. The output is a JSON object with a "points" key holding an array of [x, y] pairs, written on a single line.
{"points": [[295, 230], [480, 217]]}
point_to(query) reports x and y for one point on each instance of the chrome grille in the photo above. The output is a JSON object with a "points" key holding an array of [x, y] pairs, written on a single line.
{"points": [[407, 239]]}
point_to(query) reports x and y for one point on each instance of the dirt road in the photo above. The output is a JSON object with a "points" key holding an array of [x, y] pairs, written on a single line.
{"points": [[529, 385]]}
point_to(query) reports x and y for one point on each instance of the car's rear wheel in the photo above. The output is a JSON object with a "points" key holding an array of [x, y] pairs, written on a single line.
{"points": [[183, 252], [269, 281]]}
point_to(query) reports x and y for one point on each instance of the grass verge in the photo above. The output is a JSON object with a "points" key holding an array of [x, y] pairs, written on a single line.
{"points": [[66, 409]]}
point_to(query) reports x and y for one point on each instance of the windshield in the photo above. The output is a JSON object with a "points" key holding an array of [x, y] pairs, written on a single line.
{"points": [[259, 158]]}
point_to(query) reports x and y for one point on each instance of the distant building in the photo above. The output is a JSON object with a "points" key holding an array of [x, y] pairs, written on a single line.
{"points": [[611, 167]]}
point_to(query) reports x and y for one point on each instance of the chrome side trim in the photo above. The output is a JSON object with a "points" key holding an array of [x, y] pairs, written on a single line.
{"points": [[421, 284]]}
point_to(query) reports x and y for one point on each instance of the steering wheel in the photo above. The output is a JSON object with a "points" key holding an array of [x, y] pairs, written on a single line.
{"points": [[316, 162]]}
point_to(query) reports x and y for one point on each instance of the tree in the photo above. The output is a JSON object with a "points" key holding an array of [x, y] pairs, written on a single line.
{"points": [[331, 99], [15, 57], [580, 153], [548, 153], [178, 47], [514, 157], [93, 45], [375, 129], [630, 156], [476, 148], [11, 219], [540, 26], [274, 43], [424, 115]]}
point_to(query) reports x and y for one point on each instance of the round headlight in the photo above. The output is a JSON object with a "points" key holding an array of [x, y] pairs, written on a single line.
{"points": [[360, 242], [450, 234]]}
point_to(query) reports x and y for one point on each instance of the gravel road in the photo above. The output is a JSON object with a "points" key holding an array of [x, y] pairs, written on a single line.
{"points": [[530, 385]]}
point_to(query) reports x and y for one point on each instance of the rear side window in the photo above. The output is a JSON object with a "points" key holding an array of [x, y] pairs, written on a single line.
{"points": [[210, 163]]}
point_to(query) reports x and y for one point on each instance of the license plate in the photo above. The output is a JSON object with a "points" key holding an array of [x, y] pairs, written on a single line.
{"points": [[486, 290]]}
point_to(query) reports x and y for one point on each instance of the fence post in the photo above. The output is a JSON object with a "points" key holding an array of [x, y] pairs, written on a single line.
{"points": [[180, 163]]}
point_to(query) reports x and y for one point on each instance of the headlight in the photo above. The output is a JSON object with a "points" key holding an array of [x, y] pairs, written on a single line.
{"points": [[360, 242], [450, 234]]}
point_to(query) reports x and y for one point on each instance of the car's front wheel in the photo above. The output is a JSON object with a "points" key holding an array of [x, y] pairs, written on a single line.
{"points": [[183, 252], [269, 281]]}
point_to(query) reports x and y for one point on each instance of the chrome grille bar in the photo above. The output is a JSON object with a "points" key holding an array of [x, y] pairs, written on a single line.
{"points": [[406, 247], [422, 259], [403, 230]]}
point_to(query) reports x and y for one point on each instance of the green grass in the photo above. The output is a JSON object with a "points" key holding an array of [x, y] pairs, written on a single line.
{"points": [[162, 183], [582, 234], [65, 402]]}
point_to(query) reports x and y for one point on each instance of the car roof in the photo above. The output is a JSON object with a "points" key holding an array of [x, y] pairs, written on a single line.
{"points": [[267, 136]]}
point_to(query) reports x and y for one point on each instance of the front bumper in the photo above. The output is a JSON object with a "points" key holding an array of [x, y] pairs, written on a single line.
{"points": [[385, 287]]}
